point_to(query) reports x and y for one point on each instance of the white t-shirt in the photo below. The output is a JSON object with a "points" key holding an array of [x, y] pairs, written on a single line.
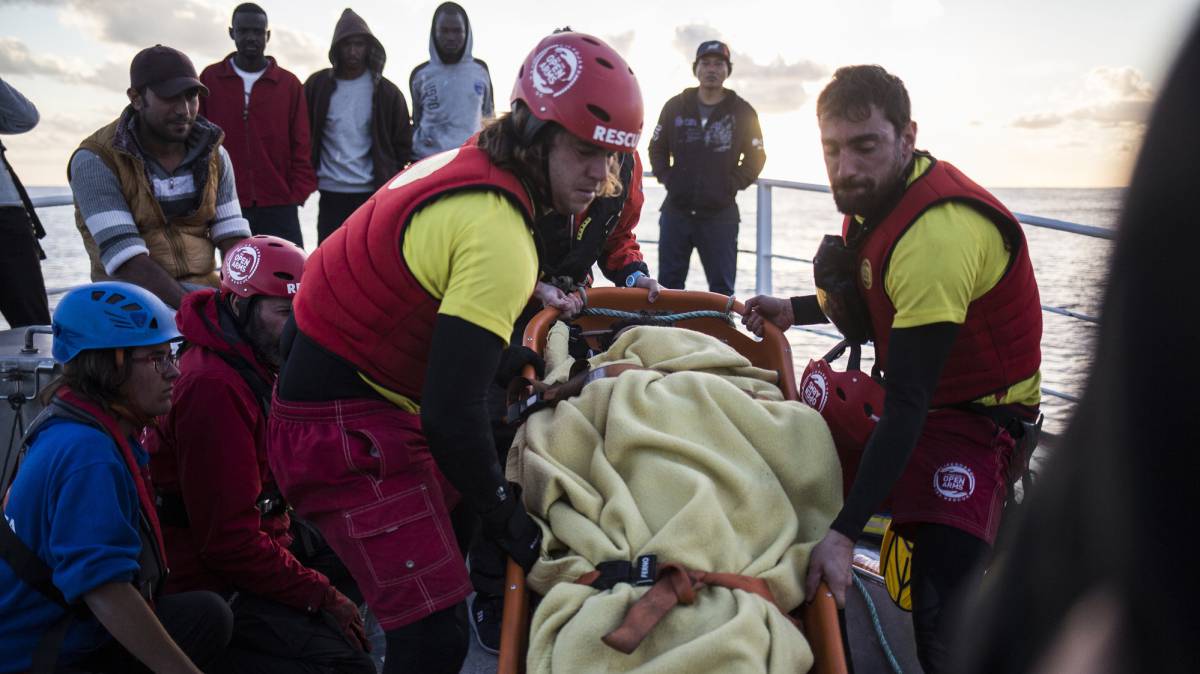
{"points": [[248, 80]]}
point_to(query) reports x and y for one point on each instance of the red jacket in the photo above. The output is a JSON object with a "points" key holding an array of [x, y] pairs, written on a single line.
{"points": [[359, 300], [211, 449], [999, 343], [269, 143]]}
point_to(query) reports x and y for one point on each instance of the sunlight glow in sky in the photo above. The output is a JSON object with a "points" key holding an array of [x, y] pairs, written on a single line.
{"points": [[1020, 93]]}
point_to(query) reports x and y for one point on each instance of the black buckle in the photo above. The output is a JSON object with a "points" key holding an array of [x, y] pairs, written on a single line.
{"points": [[520, 410], [643, 572]]}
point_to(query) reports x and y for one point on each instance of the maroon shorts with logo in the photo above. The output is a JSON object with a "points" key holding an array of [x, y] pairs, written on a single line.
{"points": [[956, 475], [362, 472]]}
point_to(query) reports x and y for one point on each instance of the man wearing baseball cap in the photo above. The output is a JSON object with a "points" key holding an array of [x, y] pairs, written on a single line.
{"points": [[154, 190], [706, 147]]}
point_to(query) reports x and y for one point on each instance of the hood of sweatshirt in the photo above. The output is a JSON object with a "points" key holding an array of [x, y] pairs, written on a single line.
{"points": [[351, 25], [436, 55]]}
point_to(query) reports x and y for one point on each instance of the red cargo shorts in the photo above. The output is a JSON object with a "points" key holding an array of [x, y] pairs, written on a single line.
{"points": [[361, 471], [956, 475]]}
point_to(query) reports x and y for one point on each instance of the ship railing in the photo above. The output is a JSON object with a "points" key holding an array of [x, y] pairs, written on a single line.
{"points": [[765, 255]]}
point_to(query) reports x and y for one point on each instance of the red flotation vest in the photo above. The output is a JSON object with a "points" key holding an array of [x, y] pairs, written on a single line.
{"points": [[358, 298], [999, 343]]}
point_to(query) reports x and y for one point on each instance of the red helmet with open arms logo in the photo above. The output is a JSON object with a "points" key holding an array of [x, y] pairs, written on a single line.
{"points": [[584, 85], [851, 403], [263, 265]]}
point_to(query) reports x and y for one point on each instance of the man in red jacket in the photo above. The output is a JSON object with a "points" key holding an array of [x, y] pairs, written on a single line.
{"points": [[262, 110], [224, 524]]}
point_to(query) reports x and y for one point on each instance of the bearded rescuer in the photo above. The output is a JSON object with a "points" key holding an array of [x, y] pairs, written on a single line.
{"points": [[937, 272], [225, 527], [379, 426]]}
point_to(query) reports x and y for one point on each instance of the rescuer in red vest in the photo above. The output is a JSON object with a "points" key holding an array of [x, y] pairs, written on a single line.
{"points": [[379, 426], [936, 272]]}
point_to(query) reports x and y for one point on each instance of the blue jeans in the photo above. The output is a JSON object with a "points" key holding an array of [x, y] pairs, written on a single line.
{"points": [[713, 234]]}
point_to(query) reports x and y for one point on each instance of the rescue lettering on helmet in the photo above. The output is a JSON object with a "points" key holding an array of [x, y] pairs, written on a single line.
{"points": [[615, 136], [293, 288]]}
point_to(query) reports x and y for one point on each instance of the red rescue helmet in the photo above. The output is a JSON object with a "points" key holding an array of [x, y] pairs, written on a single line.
{"points": [[584, 85], [851, 402], [263, 266]]}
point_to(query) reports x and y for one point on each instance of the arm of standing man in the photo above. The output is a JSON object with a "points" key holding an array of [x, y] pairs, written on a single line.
{"points": [[108, 219], [752, 154], [489, 103], [402, 132], [915, 356], [660, 145], [302, 177], [17, 113]]}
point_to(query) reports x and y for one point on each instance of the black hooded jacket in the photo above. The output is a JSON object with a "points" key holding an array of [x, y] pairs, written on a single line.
{"points": [[391, 128]]}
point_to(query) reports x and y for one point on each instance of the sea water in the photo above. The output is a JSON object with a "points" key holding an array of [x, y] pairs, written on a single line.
{"points": [[1071, 269]]}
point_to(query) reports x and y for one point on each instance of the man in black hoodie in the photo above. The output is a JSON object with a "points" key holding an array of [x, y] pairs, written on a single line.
{"points": [[361, 135], [706, 147]]}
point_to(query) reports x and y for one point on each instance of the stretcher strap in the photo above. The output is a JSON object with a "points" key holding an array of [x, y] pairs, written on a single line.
{"points": [[521, 406], [676, 584]]}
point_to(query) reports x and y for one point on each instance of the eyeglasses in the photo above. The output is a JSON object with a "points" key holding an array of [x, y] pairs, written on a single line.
{"points": [[162, 362]]}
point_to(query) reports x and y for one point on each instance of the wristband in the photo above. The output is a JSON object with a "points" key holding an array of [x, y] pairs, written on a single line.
{"points": [[632, 279]]}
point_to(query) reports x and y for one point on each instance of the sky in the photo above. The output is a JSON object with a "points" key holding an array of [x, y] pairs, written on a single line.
{"points": [[1022, 93]]}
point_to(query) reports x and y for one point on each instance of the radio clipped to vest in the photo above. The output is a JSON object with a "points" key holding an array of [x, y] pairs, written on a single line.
{"points": [[835, 272]]}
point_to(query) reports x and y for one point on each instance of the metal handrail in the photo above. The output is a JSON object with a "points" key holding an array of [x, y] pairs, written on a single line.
{"points": [[764, 235]]}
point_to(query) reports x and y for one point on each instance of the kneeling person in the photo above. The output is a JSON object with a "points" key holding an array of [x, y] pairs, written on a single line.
{"points": [[224, 524], [81, 547]]}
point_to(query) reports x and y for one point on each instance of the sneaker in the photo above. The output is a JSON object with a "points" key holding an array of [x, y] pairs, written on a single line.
{"points": [[487, 611]]}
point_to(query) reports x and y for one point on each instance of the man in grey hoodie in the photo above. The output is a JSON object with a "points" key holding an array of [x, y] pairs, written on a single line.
{"points": [[361, 135], [452, 91]]}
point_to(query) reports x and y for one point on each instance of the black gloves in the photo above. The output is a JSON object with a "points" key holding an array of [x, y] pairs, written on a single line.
{"points": [[513, 360], [512, 529]]}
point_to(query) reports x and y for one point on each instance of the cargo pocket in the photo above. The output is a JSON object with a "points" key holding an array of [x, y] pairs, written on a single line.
{"points": [[400, 538]]}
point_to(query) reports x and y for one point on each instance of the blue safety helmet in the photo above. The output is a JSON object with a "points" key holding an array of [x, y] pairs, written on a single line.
{"points": [[110, 315]]}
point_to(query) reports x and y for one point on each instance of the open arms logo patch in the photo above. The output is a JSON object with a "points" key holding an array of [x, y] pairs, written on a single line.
{"points": [[954, 482], [555, 69], [243, 264]]}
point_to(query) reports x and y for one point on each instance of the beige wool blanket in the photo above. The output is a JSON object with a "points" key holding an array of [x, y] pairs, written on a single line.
{"points": [[699, 461]]}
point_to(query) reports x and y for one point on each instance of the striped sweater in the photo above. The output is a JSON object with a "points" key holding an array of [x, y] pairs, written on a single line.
{"points": [[107, 216]]}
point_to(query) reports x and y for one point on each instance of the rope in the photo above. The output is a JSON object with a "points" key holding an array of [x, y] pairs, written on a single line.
{"points": [[665, 319], [887, 650]]}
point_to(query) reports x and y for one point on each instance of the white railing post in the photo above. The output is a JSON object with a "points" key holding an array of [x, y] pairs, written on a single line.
{"points": [[762, 266]]}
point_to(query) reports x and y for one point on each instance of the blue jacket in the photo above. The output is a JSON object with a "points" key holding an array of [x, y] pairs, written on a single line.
{"points": [[75, 504]]}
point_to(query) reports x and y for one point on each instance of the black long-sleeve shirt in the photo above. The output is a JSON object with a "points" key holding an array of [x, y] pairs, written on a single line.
{"points": [[704, 164]]}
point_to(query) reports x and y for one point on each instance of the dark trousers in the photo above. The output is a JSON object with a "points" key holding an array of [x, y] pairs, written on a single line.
{"points": [[281, 221], [270, 638], [334, 208], [947, 565], [200, 623], [713, 234], [22, 289], [436, 644]]}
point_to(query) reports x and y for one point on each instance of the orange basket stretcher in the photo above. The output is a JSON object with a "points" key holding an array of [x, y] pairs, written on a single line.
{"points": [[819, 617]]}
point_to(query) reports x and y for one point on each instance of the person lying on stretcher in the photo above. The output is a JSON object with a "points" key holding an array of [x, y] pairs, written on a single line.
{"points": [[664, 461]]}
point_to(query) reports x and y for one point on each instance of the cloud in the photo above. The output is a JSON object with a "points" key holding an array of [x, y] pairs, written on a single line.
{"points": [[1120, 83], [1119, 97], [1038, 121], [621, 42], [777, 86], [17, 59], [186, 25]]}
